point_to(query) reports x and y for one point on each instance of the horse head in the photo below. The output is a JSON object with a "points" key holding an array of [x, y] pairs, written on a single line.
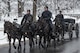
{"points": [[7, 26]]}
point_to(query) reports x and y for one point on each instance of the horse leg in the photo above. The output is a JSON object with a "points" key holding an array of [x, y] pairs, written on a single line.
{"points": [[24, 50], [58, 37], [33, 42], [44, 41], [48, 41], [36, 40], [24, 44], [62, 36], [30, 43], [9, 44], [19, 46], [14, 43], [24, 41], [54, 43], [40, 41]]}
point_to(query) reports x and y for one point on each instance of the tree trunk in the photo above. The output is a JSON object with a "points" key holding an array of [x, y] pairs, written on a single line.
{"points": [[20, 8], [34, 9], [9, 10]]}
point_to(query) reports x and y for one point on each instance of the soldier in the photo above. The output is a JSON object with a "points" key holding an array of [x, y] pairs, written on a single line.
{"points": [[61, 18], [26, 17]]}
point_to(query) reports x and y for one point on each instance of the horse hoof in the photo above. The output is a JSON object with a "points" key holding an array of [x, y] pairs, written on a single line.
{"points": [[14, 47], [36, 43]]}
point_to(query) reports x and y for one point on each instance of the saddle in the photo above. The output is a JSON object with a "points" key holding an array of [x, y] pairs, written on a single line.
{"points": [[16, 24]]}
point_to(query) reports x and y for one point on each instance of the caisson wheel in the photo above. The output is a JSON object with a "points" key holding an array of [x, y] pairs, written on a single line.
{"points": [[70, 31]]}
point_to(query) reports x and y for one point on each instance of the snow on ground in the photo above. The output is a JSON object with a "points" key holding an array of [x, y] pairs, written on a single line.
{"points": [[1, 24], [3, 38]]}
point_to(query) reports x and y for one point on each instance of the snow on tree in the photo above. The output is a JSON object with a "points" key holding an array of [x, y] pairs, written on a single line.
{"points": [[11, 6]]}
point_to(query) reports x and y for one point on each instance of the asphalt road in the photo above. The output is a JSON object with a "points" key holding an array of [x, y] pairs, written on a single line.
{"points": [[66, 47]]}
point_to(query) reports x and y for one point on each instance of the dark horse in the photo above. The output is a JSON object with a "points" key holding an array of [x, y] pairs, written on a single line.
{"points": [[59, 29], [13, 33], [44, 32], [28, 32]]}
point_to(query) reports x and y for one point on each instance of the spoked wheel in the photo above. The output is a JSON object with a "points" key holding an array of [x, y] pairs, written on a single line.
{"points": [[70, 35], [70, 31], [77, 30]]}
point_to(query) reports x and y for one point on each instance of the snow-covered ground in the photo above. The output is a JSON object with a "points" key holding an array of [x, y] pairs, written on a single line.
{"points": [[3, 37]]}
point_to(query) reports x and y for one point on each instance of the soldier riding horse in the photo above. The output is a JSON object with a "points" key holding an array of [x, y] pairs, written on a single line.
{"points": [[45, 26], [26, 27], [59, 25]]}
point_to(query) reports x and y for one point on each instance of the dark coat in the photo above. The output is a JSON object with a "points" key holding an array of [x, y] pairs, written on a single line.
{"points": [[59, 20], [60, 17], [47, 14], [26, 17]]}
